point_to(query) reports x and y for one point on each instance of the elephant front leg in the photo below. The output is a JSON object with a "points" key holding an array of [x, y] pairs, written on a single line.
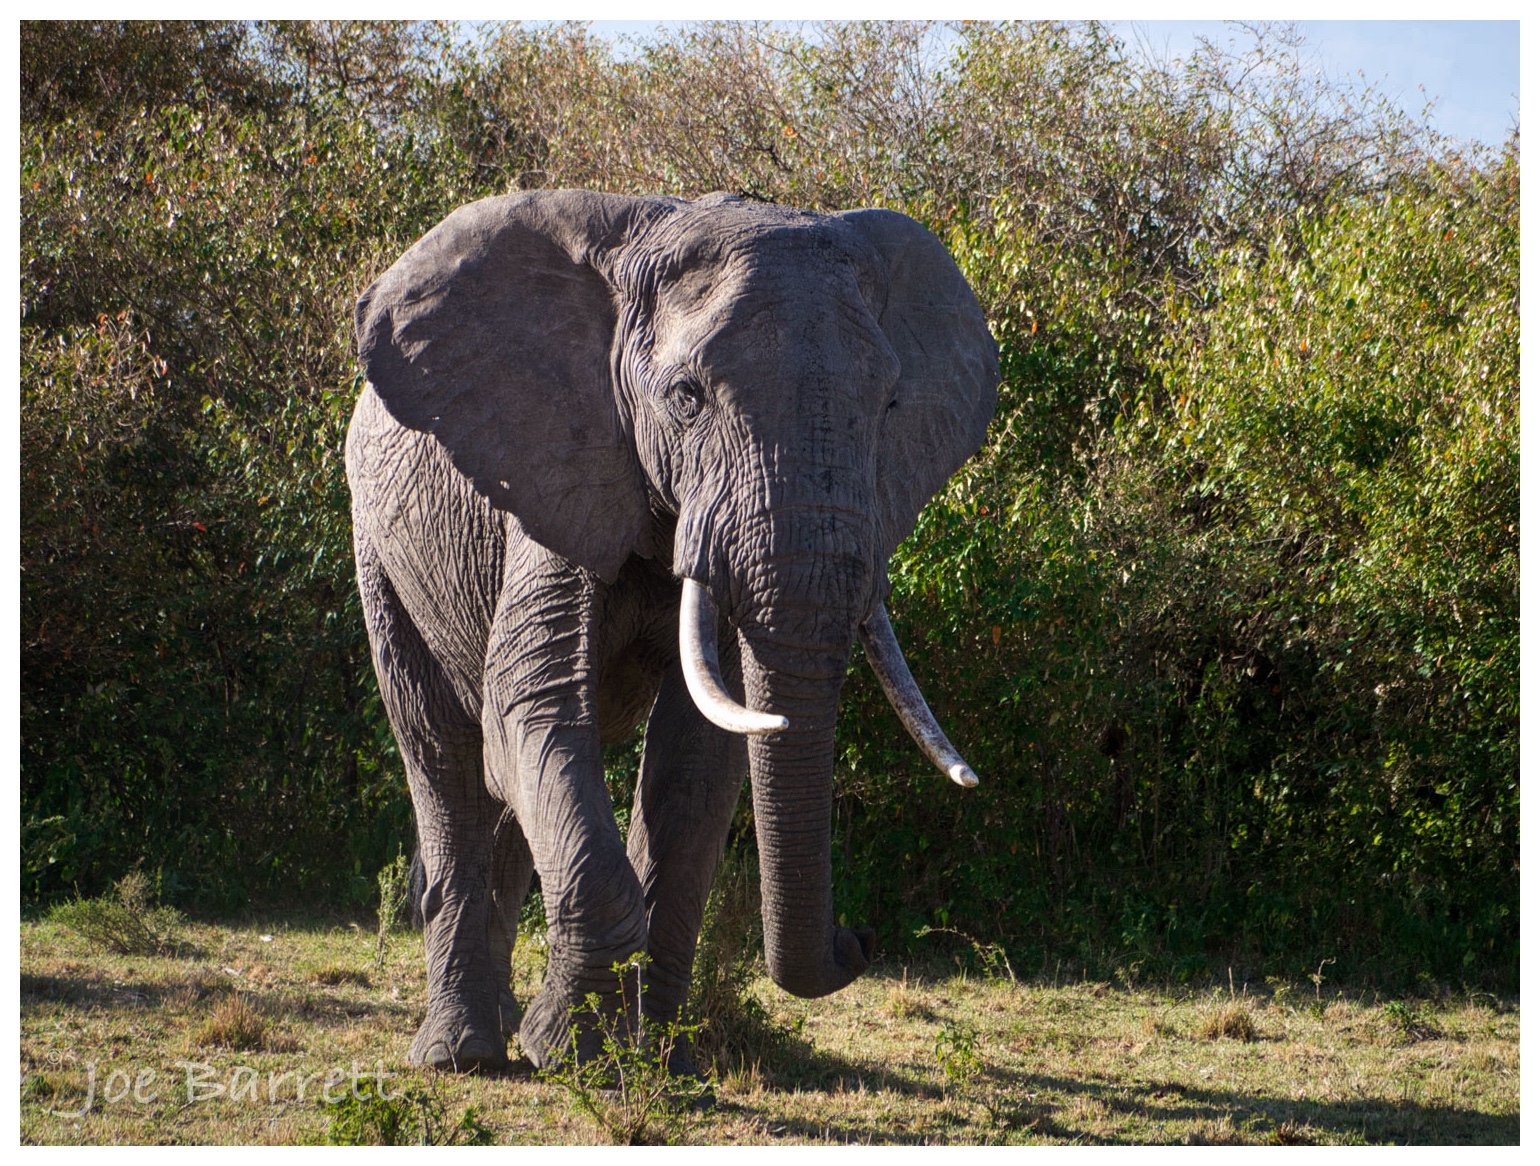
{"points": [[542, 747]]}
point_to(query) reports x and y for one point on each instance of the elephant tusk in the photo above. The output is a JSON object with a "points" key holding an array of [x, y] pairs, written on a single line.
{"points": [[702, 675], [887, 661]]}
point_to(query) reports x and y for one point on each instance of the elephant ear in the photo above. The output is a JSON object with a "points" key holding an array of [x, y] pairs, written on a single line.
{"points": [[948, 368], [493, 333]]}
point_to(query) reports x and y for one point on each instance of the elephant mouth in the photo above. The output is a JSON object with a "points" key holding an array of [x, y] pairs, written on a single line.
{"points": [[703, 677]]}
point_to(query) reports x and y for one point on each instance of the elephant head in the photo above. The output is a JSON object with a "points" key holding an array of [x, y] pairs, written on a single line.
{"points": [[761, 397]]}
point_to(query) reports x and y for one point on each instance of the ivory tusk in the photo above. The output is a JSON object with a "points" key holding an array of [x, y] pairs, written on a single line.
{"points": [[887, 661], [702, 674]]}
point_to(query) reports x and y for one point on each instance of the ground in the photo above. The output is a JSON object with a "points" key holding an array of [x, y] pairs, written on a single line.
{"points": [[242, 1034]]}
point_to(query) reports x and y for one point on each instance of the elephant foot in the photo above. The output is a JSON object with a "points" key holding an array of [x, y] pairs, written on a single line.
{"points": [[547, 1032], [456, 1046]]}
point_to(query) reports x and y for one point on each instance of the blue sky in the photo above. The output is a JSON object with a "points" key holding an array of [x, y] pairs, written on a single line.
{"points": [[1470, 66]]}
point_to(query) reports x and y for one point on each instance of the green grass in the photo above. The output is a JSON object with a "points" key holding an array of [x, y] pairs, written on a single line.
{"points": [[917, 1055]]}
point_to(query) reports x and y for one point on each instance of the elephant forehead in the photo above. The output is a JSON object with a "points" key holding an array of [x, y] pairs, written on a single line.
{"points": [[784, 311]]}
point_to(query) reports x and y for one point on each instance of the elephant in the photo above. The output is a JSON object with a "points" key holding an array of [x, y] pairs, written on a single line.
{"points": [[621, 459]]}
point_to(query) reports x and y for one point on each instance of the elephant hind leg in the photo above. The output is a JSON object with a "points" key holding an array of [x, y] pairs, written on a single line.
{"points": [[513, 867], [692, 774], [456, 819]]}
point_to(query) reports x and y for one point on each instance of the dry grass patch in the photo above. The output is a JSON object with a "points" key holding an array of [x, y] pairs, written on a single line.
{"points": [[1232, 1021], [902, 1003], [1291, 1133], [1219, 1131], [234, 1024]]}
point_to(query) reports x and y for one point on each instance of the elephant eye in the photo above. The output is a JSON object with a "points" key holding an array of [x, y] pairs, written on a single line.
{"points": [[685, 399]]}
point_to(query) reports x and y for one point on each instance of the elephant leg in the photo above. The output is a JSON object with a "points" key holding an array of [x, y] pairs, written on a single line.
{"points": [[456, 816], [512, 868], [691, 776], [542, 746]]}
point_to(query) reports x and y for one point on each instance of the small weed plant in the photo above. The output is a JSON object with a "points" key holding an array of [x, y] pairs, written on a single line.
{"points": [[962, 1065], [394, 879], [991, 957], [128, 920], [627, 1090], [1317, 1007], [415, 1117], [957, 1053], [1408, 1024]]}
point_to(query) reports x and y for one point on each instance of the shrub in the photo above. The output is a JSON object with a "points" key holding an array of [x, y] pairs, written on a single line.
{"points": [[628, 1089], [1225, 613], [127, 921], [418, 1116]]}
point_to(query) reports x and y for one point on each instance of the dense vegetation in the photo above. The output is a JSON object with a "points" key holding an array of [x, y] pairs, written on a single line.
{"points": [[1226, 613]]}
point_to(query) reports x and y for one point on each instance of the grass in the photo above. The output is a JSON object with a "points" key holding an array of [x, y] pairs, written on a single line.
{"points": [[234, 1024], [1232, 1021], [238, 1041]]}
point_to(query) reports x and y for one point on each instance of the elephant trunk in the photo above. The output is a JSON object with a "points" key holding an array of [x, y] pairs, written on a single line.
{"points": [[796, 579], [791, 773]]}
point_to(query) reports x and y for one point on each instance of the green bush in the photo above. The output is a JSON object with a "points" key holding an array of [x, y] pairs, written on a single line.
{"points": [[1225, 612], [627, 1088], [417, 1116], [197, 685], [128, 921]]}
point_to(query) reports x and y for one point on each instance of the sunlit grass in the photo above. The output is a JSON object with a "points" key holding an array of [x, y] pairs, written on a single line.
{"points": [[267, 1010]]}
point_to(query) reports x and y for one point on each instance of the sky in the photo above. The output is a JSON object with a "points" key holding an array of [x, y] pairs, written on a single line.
{"points": [[1470, 66]]}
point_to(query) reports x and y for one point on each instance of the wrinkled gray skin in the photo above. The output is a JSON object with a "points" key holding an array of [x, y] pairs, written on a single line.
{"points": [[574, 401]]}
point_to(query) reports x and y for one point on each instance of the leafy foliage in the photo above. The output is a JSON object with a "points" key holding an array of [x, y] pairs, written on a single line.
{"points": [[629, 1088], [417, 1116], [129, 921], [1225, 613], [197, 685]]}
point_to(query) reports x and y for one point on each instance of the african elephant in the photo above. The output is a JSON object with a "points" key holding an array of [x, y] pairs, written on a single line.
{"points": [[641, 458]]}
